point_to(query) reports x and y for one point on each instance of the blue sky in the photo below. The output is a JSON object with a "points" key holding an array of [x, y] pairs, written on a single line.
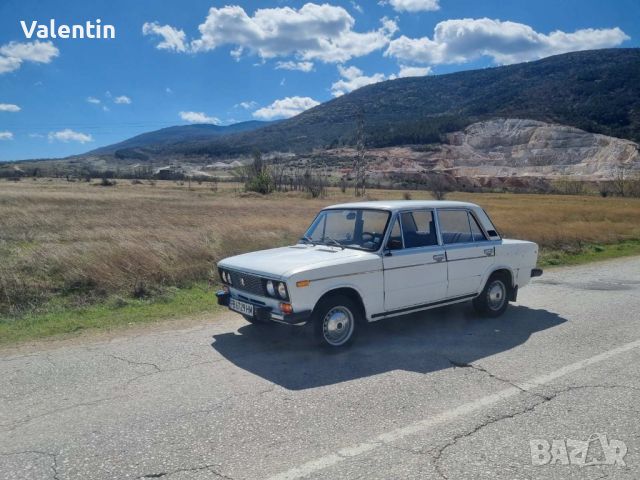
{"points": [[175, 63]]}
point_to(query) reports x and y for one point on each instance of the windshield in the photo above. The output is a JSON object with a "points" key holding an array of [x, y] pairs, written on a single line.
{"points": [[348, 228]]}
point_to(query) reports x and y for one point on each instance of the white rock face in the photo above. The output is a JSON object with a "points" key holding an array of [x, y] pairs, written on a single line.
{"points": [[517, 147]]}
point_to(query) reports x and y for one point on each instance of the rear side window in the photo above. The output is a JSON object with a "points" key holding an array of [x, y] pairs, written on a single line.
{"points": [[459, 226], [418, 229]]}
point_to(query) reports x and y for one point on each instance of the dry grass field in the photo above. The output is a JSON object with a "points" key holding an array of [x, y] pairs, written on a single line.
{"points": [[80, 243]]}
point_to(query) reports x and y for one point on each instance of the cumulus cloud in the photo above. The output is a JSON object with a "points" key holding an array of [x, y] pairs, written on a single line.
{"points": [[94, 100], [285, 108], [13, 54], [172, 38], [122, 100], [9, 107], [414, 5], [463, 40], [312, 32], [68, 135], [199, 117], [408, 71], [352, 79], [6, 136], [291, 65]]}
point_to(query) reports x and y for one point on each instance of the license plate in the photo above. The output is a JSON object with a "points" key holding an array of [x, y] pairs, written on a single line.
{"points": [[241, 307]]}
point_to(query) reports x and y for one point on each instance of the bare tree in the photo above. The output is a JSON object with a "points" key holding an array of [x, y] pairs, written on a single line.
{"points": [[438, 186], [620, 181]]}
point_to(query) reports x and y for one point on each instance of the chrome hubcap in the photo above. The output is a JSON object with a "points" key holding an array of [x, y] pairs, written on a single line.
{"points": [[337, 325], [496, 295]]}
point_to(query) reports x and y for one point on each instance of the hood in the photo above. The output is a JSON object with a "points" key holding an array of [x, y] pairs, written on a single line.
{"points": [[285, 261]]}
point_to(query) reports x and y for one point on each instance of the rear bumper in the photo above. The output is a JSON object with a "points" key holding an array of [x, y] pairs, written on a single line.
{"points": [[536, 272], [266, 314]]}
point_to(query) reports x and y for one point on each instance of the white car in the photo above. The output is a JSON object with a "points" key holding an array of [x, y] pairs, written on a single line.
{"points": [[362, 262]]}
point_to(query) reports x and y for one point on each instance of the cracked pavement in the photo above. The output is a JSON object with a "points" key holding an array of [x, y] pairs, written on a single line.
{"points": [[228, 400]]}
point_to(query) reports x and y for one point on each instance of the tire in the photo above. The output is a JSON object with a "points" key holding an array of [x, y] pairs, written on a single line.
{"points": [[494, 298], [335, 322]]}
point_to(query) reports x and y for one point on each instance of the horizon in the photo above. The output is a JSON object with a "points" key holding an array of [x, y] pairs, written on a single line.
{"points": [[63, 97]]}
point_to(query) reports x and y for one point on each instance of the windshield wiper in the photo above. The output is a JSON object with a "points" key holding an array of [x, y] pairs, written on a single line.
{"points": [[334, 241], [307, 239]]}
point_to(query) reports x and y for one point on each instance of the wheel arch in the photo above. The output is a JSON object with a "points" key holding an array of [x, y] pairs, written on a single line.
{"points": [[347, 291], [501, 269]]}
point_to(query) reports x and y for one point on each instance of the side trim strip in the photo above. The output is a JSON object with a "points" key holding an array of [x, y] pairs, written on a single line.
{"points": [[423, 306], [344, 275]]}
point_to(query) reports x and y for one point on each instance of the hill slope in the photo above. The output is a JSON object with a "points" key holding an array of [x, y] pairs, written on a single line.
{"points": [[183, 133], [597, 91]]}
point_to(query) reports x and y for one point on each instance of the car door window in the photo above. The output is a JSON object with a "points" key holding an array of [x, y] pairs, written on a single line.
{"points": [[418, 229], [454, 226]]}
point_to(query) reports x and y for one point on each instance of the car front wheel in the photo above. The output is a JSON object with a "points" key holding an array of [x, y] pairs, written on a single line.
{"points": [[335, 320], [494, 298]]}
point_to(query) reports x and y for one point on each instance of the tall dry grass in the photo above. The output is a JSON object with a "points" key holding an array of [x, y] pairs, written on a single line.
{"points": [[80, 242]]}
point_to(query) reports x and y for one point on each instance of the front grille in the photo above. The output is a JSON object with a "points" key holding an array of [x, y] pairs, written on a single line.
{"points": [[247, 283]]}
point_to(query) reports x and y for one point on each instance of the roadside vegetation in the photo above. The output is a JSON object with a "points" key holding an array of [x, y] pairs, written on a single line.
{"points": [[75, 255]]}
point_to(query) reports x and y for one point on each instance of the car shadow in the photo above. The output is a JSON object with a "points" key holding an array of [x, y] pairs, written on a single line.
{"points": [[421, 342]]}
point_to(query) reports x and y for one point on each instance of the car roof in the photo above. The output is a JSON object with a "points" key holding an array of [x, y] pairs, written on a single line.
{"points": [[393, 205]]}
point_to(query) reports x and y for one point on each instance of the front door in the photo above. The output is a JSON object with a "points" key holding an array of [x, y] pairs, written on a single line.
{"points": [[415, 267], [469, 254]]}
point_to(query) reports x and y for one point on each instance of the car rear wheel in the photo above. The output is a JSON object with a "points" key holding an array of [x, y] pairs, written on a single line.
{"points": [[494, 298], [335, 321]]}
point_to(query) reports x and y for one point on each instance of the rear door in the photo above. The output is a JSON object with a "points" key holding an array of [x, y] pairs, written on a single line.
{"points": [[415, 270], [469, 253]]}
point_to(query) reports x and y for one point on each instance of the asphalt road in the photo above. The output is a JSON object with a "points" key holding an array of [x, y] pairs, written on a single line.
{"points": [[437, 395]]}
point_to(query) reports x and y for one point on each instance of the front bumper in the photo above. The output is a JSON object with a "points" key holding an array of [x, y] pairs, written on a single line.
{"points": [[267, 314]]}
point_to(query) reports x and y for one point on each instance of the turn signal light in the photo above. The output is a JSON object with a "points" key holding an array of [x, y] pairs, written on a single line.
{"points": [[286, 308], [303, 283]]}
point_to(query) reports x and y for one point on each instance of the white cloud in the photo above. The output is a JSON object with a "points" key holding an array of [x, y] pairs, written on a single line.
{"points": [[285, 108], [94, 100], [414, 5], [199, 117], [463, 40], [9, 107], [68, 135], [6, 136], [122, 100], [352, 79], [246, 105], [13, 54], [172, 38], [312, 32], [408, 71], [291, 65], [357, 7]]}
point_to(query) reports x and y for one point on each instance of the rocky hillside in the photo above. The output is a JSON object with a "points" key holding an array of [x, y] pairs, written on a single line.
{"points": [[505, 148]]}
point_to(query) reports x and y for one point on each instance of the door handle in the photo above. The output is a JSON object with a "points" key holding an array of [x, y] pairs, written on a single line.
{"points": [[489, 252], [439, 257]]}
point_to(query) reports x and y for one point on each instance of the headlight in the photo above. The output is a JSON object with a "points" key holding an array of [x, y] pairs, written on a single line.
{"points": [[271, 289], [282, 290]]}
